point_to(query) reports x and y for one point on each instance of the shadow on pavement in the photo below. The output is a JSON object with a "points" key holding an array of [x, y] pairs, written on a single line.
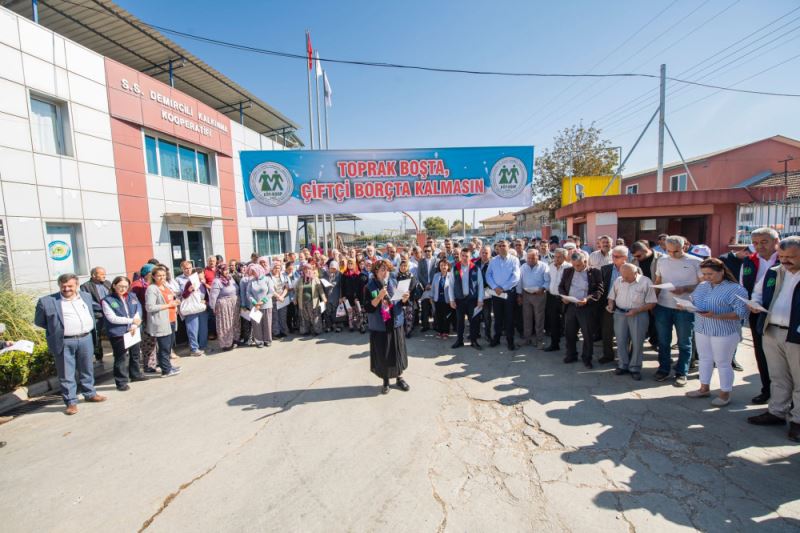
{"points": [[284, 401]]}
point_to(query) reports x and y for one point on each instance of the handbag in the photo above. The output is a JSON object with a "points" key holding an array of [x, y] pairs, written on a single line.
{"points": [[192, 305], [341, 311]]}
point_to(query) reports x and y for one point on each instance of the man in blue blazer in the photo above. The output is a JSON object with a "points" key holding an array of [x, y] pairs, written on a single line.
{"points": [[68, 321]]}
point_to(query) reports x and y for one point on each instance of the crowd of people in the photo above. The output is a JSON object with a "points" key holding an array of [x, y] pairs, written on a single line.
{"points": [[523, 292]]}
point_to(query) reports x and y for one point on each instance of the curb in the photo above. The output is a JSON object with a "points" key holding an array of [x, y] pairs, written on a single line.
{"points": [[21, 395]]}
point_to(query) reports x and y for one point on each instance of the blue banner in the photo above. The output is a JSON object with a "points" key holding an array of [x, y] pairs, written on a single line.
{"points": [[303, 182]]}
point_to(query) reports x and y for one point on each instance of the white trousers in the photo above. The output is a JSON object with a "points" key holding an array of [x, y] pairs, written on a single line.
{"points": [[719, 351]]}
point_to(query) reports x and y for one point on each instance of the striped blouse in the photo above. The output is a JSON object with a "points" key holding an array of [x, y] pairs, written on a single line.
{"points": [[719, 300]]}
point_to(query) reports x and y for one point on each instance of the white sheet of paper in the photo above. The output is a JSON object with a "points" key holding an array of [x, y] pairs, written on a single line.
{"points": [[488, 293], [322, 307], [129, 339], [570, 299], [401, 289], [281, 304], [478, 310], [19, 346], [502, 295], [685, 304], [753, 304], [325, 283], [194, 279], [664, 286], [244, 313], [255, 315]]}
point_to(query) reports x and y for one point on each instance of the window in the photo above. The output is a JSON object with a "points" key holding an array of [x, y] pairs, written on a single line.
{"points": [[66, 250], [632, 189], [173, 160], [648, 224], [746, 217], [50, 126], [794, 221], [677, 182], [269, 242]]}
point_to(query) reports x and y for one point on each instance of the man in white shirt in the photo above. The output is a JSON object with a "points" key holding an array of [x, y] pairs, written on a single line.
{"points": [[601, 256], [779, 293], [754, 268], [682, 271], [554, 308], [630, 299], [68, 321]]}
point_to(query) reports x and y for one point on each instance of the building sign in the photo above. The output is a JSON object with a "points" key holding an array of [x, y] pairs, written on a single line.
{"points": [[302, 182], [138, 98]]}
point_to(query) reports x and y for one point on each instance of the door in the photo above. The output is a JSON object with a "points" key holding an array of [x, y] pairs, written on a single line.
{"points": [[197, 253], [178, 246]]}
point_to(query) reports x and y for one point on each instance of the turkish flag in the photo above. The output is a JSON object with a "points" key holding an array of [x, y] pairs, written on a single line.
{"points": [[310, 51]]}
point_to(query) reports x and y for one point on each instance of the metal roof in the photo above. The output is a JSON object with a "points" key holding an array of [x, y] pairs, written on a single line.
{"points": [[109, 30]]}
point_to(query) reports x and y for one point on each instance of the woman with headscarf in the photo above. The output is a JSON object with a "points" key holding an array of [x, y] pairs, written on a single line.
{"points": [[409, 306], [224, 300], [280, 309], [260, 291], [309, 293], [387, 343], [333, 293], [252, 272]]}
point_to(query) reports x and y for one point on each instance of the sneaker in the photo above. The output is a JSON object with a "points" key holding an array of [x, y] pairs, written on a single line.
{"points": [[259, 345], [719, 402], [148, 370], [661, 376], [173, 372], [737, 367], [680, 381], [198, 353]]}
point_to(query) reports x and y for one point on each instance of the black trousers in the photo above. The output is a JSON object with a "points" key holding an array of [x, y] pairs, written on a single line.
{"points": [[761, 358], [465, 308], [126, 362], [554, 319], [518, 322], [96, 338], [487, 318], [427, 313], [441, 321], [504, 316], [582, 318], [607, 332]]}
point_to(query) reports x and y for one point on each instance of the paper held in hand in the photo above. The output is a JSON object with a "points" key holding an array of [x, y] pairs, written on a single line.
{"points": [[255, 315], [19, 346], [686, 304], [244, 313], [488, 293], [478, 310], [753, 304], [570, 299], [325, 283], [129, 339], [194, 279], [665, 286], [401, 289]]}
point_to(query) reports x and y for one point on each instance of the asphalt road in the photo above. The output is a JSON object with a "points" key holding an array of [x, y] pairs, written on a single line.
{"points": [[296, 437]]}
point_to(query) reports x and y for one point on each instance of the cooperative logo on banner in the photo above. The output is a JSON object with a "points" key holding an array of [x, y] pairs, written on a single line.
{"points": [[509, 177], [59, 250], [271, 184]]}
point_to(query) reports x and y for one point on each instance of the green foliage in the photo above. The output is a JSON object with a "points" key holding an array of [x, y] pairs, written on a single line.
{"points": [[435, 226], [576, 151], [20, 368]]}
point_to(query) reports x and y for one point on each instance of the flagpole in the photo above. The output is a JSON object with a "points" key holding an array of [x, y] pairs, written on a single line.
{"points": [[310, 112], [319, 120], [325, 110]]}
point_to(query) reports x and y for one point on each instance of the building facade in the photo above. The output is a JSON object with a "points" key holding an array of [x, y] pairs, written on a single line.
{"points": [[104, 165]]}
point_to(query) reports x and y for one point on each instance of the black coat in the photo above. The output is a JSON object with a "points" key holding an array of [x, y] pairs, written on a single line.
{"points": [[595, 283], [97, 302]]}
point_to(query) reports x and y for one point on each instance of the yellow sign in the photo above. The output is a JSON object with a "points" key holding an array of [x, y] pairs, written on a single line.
{"points": [[579, 187]]}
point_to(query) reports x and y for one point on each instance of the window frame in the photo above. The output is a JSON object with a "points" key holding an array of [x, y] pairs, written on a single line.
{"points": [[63, 124], [80, 249], [685, 180], [283, 240], [632, 189], [211, 158]]}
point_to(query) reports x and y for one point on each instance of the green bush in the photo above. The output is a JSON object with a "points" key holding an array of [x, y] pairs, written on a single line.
{"points": [[20, 368]]}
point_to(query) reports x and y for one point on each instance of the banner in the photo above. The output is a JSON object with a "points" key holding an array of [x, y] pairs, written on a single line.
{"points": [[305, 182]]}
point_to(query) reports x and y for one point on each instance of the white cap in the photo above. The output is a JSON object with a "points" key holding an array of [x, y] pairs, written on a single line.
{"points": [[700, 250], [569, 246]]}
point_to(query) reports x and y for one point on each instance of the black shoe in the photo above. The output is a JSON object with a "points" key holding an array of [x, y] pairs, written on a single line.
{"points": [[457, 344], [661, 376], [570, 358], [475, 345], [588, 364], [494, 343], [512, 347], [385, 389], [766, 419], [402, 385], [794, 431], [604, 360], [736, 366], [423, 330], [140, 378], [123, 388], [620, 371], [552, 349], [761, 399], [150, 371], [637, 376]]}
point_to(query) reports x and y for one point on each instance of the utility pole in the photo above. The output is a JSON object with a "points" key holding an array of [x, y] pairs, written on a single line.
{"points": [[662, 94], [463, 226], [786, 169]]}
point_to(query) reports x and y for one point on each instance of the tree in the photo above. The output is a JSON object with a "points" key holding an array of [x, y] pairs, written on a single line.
{"points": [[455, 227], [435, 226], [576, 151]]}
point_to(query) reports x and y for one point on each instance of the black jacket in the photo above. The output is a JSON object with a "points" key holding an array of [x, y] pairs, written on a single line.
{"points": [[595, 283], [97, 302]]}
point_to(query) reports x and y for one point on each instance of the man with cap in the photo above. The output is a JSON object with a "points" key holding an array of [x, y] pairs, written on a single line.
{"points": [[148, 346]]}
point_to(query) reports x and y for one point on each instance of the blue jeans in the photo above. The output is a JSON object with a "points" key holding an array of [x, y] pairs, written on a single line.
{"points": [[77, 357], [197, 330], [683, 321]]}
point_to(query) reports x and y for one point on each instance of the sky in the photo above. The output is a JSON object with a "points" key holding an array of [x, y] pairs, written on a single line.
{"points": [[391, 108]]}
